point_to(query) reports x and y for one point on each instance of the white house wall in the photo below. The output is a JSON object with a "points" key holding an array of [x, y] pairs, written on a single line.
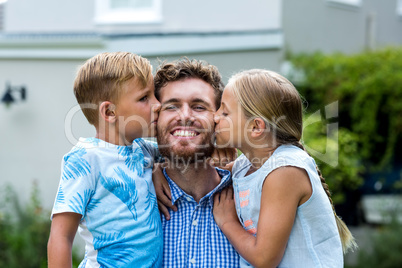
{"points": [[328, 26], [177, 16]]}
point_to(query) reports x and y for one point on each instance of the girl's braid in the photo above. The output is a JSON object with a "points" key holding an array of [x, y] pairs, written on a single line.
{"points": [[347, 239]]}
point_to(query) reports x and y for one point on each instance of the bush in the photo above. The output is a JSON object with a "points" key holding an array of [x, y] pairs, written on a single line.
{"points": [[24, 230], [386, 248], [336, 154], [368, 88]]}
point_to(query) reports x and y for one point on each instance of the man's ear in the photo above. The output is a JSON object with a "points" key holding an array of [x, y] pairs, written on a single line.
{"points": [[107, 111], [258, 127]]}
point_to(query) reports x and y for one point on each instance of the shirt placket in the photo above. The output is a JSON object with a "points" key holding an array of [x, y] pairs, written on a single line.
{"points": [[194, 244]]}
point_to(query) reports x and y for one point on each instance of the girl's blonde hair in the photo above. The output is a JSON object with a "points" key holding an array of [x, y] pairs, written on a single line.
{"points": [[273, 98]]}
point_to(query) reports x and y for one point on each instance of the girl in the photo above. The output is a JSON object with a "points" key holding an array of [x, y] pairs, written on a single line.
{"points": [[282, 201]]}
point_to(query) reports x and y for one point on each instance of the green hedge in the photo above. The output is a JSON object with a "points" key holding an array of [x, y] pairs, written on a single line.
{"points": [[24, 231], [368, 87], [336, 155], [384, 248]]}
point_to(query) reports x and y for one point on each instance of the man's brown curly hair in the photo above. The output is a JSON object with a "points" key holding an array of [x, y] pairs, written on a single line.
{"points": [[185, 68]]}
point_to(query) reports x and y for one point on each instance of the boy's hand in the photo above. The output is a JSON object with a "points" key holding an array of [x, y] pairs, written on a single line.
{"points": [[223, 158], [162, 191], [224, 207]]}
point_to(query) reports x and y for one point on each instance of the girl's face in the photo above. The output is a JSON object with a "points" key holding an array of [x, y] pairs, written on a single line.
{"points": [[230, 129]]}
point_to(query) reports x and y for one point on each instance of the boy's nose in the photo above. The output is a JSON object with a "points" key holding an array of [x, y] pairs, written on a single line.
{"points": [[156, 107]]}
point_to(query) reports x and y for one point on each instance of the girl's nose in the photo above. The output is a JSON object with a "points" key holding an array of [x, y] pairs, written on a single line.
{"points": [[216, 118]]}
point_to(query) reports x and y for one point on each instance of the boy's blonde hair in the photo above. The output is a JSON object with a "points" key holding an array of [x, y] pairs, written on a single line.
{"points": [[273, 98], [100, 78]]}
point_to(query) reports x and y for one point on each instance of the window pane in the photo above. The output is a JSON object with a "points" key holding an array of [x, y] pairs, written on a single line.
{"points": [[347, 2], [130, 4], [399, 7]]}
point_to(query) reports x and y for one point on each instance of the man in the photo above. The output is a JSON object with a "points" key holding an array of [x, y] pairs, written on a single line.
{"points": [[190, 93]]}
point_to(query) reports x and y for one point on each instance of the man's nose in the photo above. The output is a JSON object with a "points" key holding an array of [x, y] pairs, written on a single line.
{"points": [[186, 114]]}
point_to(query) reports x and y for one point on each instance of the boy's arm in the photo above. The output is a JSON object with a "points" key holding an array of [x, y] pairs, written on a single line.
{"points": [[62, 233]]}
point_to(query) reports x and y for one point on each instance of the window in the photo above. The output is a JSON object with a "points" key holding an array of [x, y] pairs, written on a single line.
{"points": [[346, 3], [127, 11], [399, 7], [2, 3]]}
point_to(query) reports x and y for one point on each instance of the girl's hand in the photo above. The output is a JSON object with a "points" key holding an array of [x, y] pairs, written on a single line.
{"points": [[162, 191], [223, 158], [224, 207]]}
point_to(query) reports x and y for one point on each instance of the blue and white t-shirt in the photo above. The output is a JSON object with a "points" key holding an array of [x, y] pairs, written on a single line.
{"points": [[111, 187]]}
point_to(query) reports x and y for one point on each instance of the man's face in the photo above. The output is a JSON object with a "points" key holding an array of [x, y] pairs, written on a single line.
{"points": [[186, 120]]}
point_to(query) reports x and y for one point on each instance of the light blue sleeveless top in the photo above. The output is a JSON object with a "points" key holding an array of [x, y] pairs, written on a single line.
{"points": [[314, 240]]}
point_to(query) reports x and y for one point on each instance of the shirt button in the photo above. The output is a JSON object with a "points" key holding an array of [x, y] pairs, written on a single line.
{"points": [[192, 260], [195, 222], [188, 198]]}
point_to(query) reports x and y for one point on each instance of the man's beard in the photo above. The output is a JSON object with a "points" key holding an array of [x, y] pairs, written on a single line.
{"points": [[188, 152]]}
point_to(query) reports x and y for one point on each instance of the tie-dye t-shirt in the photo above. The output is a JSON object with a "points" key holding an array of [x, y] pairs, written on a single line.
{"points": [[111, 187]]}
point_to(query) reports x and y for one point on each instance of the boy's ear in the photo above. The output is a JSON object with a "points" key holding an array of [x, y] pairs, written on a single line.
{"points": [[258, 127], [107, 111]]}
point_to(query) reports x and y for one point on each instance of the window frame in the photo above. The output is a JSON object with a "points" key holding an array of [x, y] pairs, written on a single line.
{"points": [[105, 15], [399, 8], [351, 4]]}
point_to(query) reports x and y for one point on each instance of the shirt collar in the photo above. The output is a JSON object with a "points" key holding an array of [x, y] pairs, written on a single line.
{"points": [[177, 192]]}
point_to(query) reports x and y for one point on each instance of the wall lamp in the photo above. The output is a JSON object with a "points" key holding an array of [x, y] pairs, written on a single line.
{"points": [[8, 97]]}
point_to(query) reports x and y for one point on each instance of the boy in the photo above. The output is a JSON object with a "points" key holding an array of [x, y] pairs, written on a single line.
{"points": [[106, 189]]}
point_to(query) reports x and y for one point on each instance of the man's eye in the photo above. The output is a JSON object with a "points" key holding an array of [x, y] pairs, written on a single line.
{"points": [[170, 107], [199, 108], [224, 114]]}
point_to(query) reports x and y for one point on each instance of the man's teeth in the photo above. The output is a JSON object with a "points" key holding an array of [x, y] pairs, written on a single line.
{"points": [[184, 133]]}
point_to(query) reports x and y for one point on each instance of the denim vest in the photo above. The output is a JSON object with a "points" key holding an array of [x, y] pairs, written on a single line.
{"points": [[314, 240]]}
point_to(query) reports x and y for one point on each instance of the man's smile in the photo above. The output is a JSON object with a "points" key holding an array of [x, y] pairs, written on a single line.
{"points": [[184, 133]]}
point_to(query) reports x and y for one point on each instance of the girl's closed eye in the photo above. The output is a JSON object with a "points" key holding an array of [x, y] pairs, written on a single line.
{"points": [[223, 113]]}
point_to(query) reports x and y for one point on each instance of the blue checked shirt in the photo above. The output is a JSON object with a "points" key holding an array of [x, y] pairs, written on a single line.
{"points": [[191, 236]]}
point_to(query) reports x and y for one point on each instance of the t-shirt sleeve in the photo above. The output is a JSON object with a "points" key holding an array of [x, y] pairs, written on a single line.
{"points": [[240, 163], [151, 148], [76, 185]]}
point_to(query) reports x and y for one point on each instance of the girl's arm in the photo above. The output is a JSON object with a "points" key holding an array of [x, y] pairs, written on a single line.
{"points": [[283, 191], [62, 233], [223, 158]]}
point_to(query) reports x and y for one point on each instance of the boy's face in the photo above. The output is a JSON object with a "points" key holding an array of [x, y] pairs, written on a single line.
{"points": [[136, 111]]}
